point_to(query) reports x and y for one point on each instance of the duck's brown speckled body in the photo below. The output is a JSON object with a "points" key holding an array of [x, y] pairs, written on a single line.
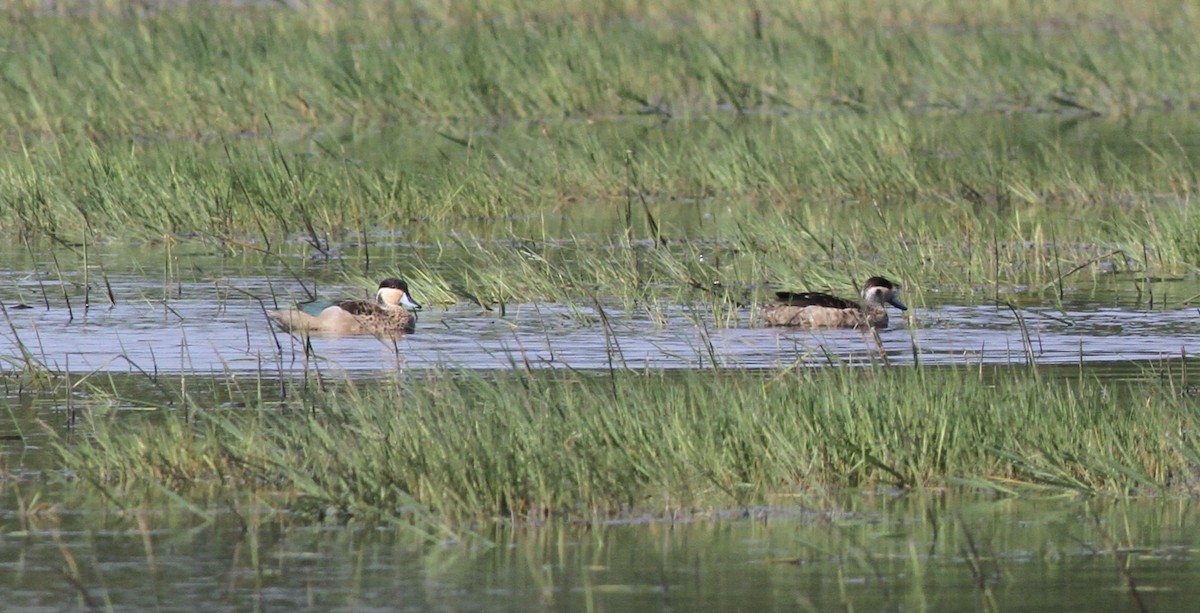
{"points": [[386, 315], [818, 310]]}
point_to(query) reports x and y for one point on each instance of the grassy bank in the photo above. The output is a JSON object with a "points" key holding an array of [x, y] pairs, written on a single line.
{"points": [[452, 447]]}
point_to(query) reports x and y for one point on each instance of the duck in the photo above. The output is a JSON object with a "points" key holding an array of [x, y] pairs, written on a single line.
{"points": [[816, 310], [388, 314]]}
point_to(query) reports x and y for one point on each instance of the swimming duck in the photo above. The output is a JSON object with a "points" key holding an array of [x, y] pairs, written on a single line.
{"points": [[388, 314], [818, 310]]}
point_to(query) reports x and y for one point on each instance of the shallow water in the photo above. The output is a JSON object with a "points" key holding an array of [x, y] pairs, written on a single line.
{"points": [[187, 334], [868, 552]]}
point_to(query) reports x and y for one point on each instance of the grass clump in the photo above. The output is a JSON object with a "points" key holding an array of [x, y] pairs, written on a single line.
{"points": [[453, 446]]}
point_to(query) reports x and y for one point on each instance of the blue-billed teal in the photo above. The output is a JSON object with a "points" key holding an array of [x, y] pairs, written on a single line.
{"points": [[819, 310], [387, 314]]}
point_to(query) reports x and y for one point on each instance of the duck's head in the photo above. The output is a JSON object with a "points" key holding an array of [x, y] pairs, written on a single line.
{"points": [[879, 292], [393, 292]]}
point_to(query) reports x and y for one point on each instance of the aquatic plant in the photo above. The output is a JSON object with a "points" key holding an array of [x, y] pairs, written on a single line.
{"points": [[452, 446], [828, 113]]}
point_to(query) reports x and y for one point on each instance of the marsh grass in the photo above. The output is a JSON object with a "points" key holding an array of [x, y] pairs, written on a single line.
{"points": [[573, 214], [848, 122], [197, 69], [448, 447], [817, 217]]}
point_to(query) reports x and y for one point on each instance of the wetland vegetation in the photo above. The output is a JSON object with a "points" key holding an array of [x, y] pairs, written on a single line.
{"points": [[619, 169], [459, 447]]}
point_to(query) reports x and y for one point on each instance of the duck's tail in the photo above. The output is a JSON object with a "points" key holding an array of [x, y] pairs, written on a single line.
{"points": [[291, 320]]}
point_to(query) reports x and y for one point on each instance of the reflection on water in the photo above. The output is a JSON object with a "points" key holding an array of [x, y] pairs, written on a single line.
{"points": [[190, 335], [858, 551]]}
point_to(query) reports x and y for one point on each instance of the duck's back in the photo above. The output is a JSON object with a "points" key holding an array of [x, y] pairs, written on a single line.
{"points": [[357, 308], [817, 299], [348, 317]]}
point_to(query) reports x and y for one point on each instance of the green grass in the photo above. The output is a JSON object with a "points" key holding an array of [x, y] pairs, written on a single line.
{"points": [[450, 447], [521, 216], [199, 71], [1009, 144]]}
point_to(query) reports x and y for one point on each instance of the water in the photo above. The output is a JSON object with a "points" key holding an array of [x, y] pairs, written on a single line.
{"points": [[867, 552], [190, 334]]}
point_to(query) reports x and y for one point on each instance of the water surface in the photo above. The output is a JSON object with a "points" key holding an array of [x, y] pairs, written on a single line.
{"points": [[188, 334], [861, 551]]}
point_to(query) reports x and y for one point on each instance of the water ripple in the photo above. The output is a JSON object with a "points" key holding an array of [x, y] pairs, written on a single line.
{"points": [[190, 337]]}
